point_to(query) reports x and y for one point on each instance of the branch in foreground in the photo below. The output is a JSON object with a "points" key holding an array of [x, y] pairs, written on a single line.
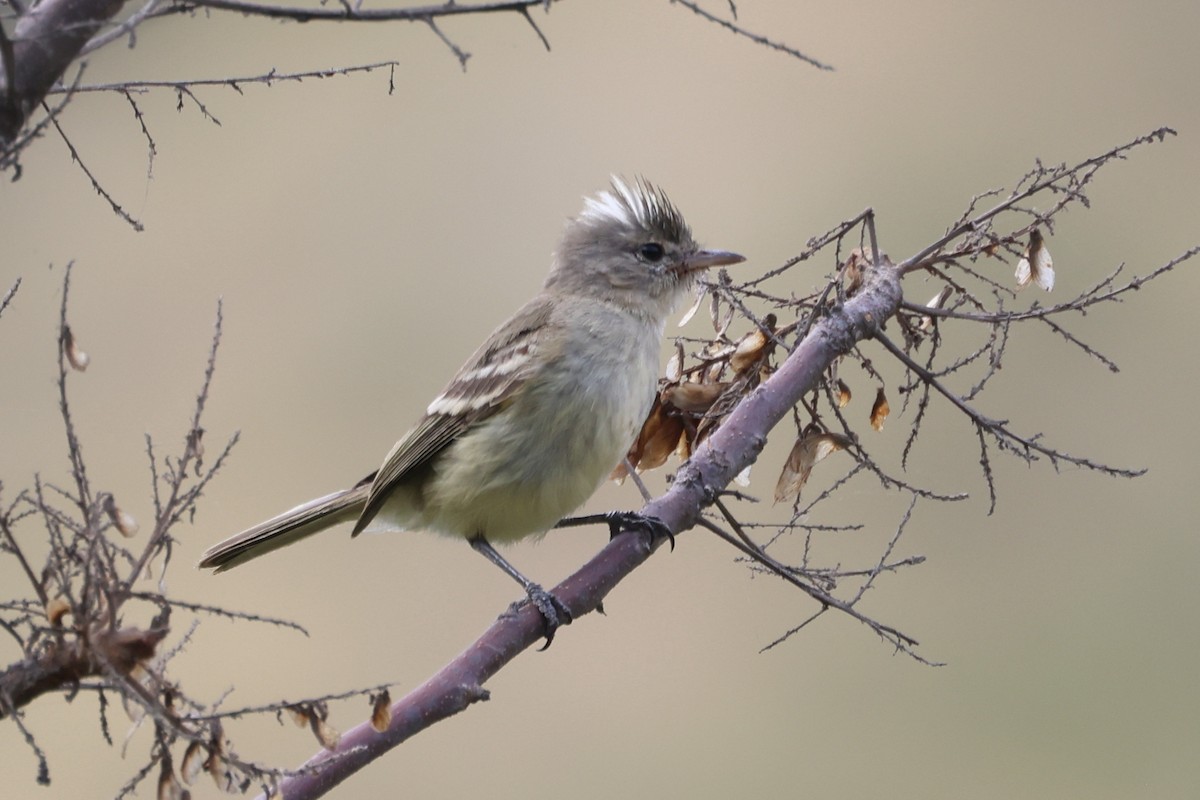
{"points": [[729, 450], [47, 39]]}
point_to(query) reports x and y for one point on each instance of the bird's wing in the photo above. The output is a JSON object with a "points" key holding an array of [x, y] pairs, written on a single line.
{"points": [[489, 379]]}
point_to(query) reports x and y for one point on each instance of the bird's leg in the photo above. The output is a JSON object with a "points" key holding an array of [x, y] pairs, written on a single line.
{"points": [[621, 521], [553, 612]]}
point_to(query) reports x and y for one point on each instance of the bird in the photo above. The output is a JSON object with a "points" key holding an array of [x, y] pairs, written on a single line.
{"points": [[545, 408]]}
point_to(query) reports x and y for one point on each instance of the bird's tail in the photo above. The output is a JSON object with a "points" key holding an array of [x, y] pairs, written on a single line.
{"points": [[290, 526]]}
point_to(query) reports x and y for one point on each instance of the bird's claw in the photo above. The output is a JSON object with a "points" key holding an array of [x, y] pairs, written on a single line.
{"points": [[619, 521], [554, 613]]}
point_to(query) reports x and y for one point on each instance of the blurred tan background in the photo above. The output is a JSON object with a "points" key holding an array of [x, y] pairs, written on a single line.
{"points": [[365, 243]]}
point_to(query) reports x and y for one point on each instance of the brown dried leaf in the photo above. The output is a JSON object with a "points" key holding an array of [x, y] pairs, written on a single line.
{"points": [[653, 421], [748, 351], [674, 369], [808, 450], [880, 410], [381, 711], [222, 774], [860, 258], [299, 714], [56, 609], [843, 394], [193, 762], [128, 648], [660, 442], [168, 785], [694, 398], [326, 734], [76, 357], [121, 520]]}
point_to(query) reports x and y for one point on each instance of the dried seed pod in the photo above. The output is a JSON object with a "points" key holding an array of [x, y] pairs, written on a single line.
{"points": [[694, 307], [743, 477], [168, 785], [714, 315], [694, 398], [121, 520], [843, 394], [812, 446], [880, 410], [937, 301], [76, 357], [674, 370], [222, 774], [326, 734], [659, 440], [195, 444], [300, 715], [1035, 265], [748, 350], [860, 258], [56, 609], [193, 762], [381, 711]]}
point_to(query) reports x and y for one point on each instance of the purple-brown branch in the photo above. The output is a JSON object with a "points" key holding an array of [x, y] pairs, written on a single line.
{"points": [[46, 40], [729, 450]]}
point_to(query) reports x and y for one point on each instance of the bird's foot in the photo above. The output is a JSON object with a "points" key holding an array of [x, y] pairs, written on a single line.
{"points": [[554, 613], [621, 521]]}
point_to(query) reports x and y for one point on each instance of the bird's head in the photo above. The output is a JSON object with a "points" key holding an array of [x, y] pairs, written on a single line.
{"points": [[630, 245]]}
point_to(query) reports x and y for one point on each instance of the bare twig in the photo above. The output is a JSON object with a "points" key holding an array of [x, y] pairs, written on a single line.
{"points": [[754, 37]]}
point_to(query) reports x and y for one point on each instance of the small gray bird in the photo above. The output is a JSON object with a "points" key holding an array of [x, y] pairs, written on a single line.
{"points": [[545, 408]]}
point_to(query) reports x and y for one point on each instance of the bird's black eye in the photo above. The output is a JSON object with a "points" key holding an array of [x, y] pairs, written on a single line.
{"points": [[652, 252]]}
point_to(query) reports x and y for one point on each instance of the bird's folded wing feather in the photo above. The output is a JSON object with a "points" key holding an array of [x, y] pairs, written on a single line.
{"points": [[489, 379]]}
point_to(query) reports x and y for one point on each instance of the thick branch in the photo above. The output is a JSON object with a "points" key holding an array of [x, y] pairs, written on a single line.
{"points": [[724, 454], [346, 13], [46, 41]]}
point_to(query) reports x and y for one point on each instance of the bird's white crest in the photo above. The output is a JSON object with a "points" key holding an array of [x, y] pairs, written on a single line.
{"points": [[634, 203]]}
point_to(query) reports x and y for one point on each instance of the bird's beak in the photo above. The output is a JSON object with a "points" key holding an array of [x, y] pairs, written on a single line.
{"points": [[704, 259]]}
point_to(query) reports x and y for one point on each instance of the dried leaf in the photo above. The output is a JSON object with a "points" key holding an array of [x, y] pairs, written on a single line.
{"points": [[937, 301], [126, 649], [168, 785], [880, 410], [808, 450], [222, 774], [714, 315], [694, 398], [326, 734], [860, 258], [56, 609], [694, 307], [674, 369], [843, 394], [381, 711], [743, 477], [748, 351], [1035, 265], [660, 441], [76, 357], [193, 762], [121, 520], [195, 444], [299, 714]]}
